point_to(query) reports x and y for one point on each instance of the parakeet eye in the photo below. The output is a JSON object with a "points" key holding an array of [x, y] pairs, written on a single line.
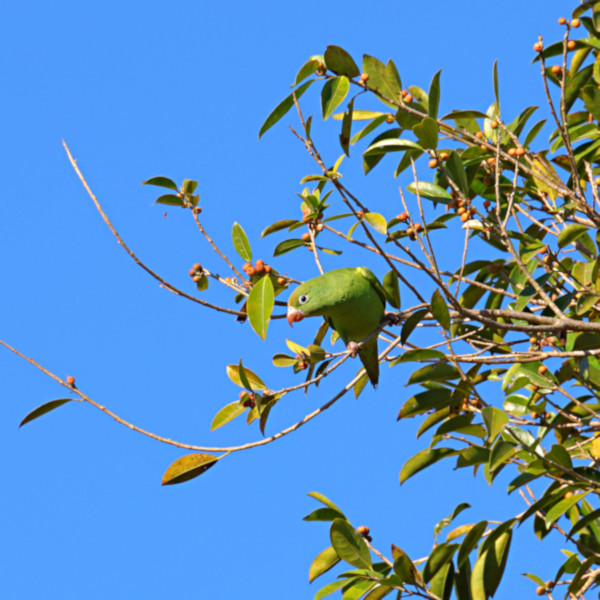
{"points": [[303, 299]]}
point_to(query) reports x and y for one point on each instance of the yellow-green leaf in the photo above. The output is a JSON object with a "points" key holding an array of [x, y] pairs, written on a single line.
{"points": [[349, 545], [333, 93], [226, 414], [187, 467], [260, 306], [323, 562], [256, 383], [377, 222], [240, 242]]}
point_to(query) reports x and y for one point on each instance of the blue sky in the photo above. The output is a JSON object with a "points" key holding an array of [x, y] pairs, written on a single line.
{"points": [[181, 89]]}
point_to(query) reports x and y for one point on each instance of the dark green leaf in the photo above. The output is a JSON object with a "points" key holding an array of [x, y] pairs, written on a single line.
{"points": [[434, 96], [287, 246], [278, 226], [43, 409], [164, 182], [470, 542], [439, 309], [411, 323], [424, 459], [282, 108], [308, 68], [440, 555], [340, 62], [170, 199], [424, 401]]}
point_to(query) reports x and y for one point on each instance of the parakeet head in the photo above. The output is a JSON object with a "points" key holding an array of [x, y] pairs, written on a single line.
{"points": [[306, 301]]}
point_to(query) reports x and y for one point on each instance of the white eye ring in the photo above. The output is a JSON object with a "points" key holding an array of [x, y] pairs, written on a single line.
{"points": [[303, 299]]}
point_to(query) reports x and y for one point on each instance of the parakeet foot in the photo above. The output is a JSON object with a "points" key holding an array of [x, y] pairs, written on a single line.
{"points": [[393, 318], [352, 347]]}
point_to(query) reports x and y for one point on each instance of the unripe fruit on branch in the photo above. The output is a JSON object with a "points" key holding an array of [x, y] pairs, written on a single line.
{"points": [[433, 163], [575, 23], [70, 380], [571, 44], [538, 46]]}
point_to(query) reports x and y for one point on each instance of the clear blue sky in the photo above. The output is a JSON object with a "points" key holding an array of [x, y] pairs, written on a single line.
{"points": [[180, 89]]}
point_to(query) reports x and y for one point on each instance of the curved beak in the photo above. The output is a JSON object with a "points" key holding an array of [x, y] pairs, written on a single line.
{"points": [[294, 315]]}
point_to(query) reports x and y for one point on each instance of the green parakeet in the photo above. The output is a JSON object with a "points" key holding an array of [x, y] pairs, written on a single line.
{"points": [[352, 301]]}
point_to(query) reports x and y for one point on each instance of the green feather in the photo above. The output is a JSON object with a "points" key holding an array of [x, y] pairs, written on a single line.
{"points": [[353, 302]]}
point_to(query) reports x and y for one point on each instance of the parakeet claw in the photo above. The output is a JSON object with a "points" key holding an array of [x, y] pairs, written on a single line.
{"points": [[393, 318], [352, 347]]}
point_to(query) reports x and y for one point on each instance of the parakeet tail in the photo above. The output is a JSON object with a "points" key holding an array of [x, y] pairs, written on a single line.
{"points": [[368, 356]]}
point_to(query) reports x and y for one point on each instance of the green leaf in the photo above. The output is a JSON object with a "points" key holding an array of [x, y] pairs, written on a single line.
{"points": [[287, 246], [308, 68], [284, 360], [424, 459], [447, 520], [411, 323], [440, 555], [384, 79], [226, 414], [340, 62], [470, 542], [570, 233], [260, 305], [434, 372], [43, 409], [324, 500], [560, 508], [322, 563], [495, 421], [187, 467], [333, 93], [278, 226], [457, 171], [282, 108], [170, 200], [464, 114], [427, 133], [392, 289], [429, 190], [164, 182], [377, 222], [439, 309], [330, 588], [324, 514], [496, 87], [256, 383], [240, 242], [347, 128], [391, 145], [434, 96], [424, 401], [500, 453], [349, 545]]}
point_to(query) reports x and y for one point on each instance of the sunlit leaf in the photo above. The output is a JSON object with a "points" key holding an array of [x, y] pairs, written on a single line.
{"points": [[187, 467], [260, 305], [283, 107], [240, 242], [227, 414], [349, 545], [333, 93]]}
